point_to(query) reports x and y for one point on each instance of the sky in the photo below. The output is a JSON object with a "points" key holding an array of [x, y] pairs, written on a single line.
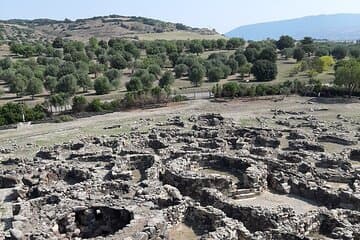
{"points": [[223, 15]]}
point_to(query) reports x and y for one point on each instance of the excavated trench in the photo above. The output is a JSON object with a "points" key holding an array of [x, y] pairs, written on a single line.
{"points": [[101, 221]]}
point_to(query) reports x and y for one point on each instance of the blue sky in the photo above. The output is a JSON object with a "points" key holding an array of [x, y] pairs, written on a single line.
{"points": [[223, 15]]}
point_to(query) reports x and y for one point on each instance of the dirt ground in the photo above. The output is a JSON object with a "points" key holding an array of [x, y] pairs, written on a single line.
{"points": [[246, 112]]}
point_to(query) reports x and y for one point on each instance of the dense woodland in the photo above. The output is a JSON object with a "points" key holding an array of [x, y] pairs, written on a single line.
{"points": [[63, 70]]}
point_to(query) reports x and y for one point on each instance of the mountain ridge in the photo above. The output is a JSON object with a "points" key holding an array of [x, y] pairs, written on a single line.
{"points": [[337, 27]]}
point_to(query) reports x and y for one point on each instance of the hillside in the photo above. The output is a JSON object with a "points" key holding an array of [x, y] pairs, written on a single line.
{"points": [[332, 27], [105, 27]]}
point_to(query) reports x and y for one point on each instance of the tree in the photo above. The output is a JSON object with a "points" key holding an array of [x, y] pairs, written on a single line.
{"points": [[355, 52], [102, 85], [251, 54], [96, 68], [245, 70], [5, 63], [51, 83], [34, 86], [215, 74], [79, 104], [264, 70], [167, 79], [67, 84], [230, 89], [233, 64], [268, 54], [58, 43], [134, 84], [18, 86], [221, 43], [196, 75], [118, 62], [154, 69], [114, 76], [234, 43], [285, 42], [299, 54], [196, 47], [240, 58], [339, 52], [83, 80], [180, 70], [348, 75], [287, 53], [322, 51]]}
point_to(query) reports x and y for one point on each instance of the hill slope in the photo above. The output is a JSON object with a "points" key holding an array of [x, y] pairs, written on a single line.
{"points": [[331, 27], [105, 27]]}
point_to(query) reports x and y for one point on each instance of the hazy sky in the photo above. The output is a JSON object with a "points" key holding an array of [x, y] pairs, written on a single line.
{"points": [[223, 15]]}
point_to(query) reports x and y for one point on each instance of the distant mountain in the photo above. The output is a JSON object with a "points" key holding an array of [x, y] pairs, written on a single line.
{"points": [[103, 27], [336, 27]]}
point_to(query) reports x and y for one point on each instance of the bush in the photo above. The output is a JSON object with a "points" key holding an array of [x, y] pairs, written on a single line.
{"points": [[64, 118], [230, 89], [95, 106]]}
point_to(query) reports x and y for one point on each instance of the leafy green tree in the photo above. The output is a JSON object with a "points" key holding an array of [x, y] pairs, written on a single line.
{"points": [[221, 43], [167, 79], [18, 86], [102, 86], [268, 54], [118, 62], [245, 70], [66, 69], [240, 58], [348, 75], [34, 86], [234, 43], [196, 47], [322, 51], [339, 52], [180, 70], [58, 43], [354, 52], [307, 40], [264, 70], [299, 54], [215, 74], [114, 76], [51, 84], [67, 84], [5, 63], [230, 89], [96, 68], [233, 64], [154, 69], [134, 84], [196, 75], [251, 54], [79, 104], [285, 42], [287, 53], [83, 80]]}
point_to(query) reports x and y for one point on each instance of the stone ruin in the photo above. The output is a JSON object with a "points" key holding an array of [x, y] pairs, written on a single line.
{"points": [[220, 180]]}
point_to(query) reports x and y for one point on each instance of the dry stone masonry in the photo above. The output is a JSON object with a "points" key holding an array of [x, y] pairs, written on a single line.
{"points": [[206, 174]]}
